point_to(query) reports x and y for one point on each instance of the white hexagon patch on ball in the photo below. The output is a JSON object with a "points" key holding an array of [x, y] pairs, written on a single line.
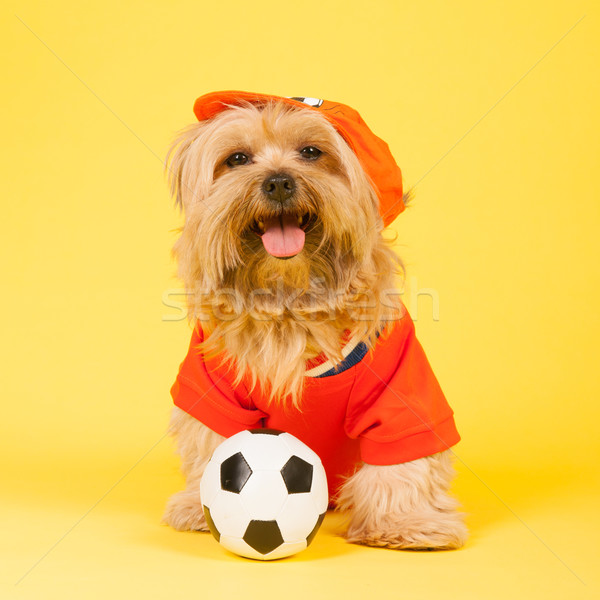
{"points": [[264, 494]]}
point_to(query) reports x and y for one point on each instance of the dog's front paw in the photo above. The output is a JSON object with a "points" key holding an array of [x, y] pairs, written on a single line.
{"points": [[418, 531], [184, 512], [404, 505]]}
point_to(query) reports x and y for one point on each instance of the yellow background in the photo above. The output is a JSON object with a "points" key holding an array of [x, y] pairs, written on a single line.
{"points": [[491, 109]]}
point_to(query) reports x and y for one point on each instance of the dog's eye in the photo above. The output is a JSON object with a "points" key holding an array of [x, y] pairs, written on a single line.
{"points": [[310, 153], [236, 159]]}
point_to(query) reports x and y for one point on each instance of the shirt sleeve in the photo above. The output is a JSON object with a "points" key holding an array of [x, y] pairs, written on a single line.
{"points": [[397, 409], [204, 390]]}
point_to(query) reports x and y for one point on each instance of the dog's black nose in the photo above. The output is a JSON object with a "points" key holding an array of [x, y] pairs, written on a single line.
{"points": [[279, 187]]}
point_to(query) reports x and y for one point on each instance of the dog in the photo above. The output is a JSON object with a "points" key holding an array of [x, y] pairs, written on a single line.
{"points": [[297, 322]]}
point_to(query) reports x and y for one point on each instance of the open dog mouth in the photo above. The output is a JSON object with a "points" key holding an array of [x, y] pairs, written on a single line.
{"points": [[283, 235]]}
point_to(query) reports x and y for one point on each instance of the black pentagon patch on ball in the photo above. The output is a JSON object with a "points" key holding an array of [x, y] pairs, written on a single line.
{"points": [[211, 524], [263, 536], [235, 472], [298, 475], [265, 431], [311, 535]]}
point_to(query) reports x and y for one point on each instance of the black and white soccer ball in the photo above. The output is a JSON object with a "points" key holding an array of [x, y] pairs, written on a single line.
{"points": [[264, 494]]}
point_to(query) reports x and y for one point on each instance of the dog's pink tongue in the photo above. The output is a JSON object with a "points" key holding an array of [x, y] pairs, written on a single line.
{"points": [[282, 236]]}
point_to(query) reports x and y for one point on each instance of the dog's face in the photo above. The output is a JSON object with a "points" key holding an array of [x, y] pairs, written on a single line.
{"points": [[271, 194]]}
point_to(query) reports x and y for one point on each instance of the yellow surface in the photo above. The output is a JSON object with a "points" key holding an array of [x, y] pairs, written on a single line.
{"points": [[491, 109]]}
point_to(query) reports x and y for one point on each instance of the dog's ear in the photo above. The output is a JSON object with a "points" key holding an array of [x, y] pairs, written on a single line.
{"points": [[177, 167]]}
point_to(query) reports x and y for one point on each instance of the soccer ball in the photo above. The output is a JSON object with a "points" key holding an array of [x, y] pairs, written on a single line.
{"points": [[264, 494]]}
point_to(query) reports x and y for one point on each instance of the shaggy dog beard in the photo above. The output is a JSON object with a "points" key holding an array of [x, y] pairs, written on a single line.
{"points": [[263, 315]]}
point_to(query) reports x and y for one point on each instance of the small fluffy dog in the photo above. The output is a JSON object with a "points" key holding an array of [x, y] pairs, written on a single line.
{"points": [[297, 324]]}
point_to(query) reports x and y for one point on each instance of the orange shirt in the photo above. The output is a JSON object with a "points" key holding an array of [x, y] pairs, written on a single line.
{"points": [[385, 410]]}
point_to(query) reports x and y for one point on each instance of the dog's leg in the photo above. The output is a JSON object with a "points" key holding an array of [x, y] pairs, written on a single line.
{"points": [[195, 445], [404, 506]]}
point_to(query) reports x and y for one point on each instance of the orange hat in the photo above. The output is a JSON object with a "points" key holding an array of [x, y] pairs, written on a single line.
{"points": [[372, 152]]}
